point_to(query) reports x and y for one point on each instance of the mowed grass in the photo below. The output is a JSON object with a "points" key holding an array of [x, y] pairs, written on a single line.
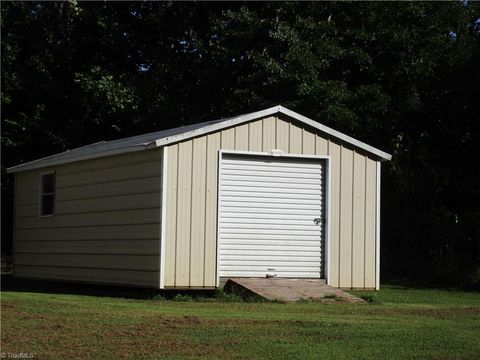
{"points": [[400, 324]]}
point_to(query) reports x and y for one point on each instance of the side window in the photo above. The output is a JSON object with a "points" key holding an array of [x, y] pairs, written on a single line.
{"points": [[47, 194]]}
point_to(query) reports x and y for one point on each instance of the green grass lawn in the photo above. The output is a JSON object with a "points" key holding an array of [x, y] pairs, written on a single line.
{"points": [[400, 324]]}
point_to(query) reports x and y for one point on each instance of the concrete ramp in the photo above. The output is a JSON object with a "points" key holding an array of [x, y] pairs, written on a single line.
{"points": [[290, 290]]}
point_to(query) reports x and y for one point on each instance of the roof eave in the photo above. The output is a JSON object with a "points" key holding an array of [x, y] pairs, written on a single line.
{"points": [[45, 162], [325, 129], [218, 126], [35, 164]]}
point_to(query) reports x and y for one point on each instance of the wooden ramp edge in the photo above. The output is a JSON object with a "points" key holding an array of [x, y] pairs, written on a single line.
{"points": [[290, 290]]}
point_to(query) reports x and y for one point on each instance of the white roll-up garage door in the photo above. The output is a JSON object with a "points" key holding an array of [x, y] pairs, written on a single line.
{"points": [[270, 216]]}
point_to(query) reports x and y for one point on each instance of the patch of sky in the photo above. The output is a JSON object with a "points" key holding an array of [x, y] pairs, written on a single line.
{"points": [[143, 67]]}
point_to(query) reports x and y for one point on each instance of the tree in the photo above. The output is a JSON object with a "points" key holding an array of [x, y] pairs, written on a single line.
{"points": [[402, 76]]}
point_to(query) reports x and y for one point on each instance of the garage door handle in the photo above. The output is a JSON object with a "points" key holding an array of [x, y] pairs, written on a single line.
{"points": [[317, 221]]}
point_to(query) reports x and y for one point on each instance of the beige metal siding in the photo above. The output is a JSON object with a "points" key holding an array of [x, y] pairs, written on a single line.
{"points": [[106, 226], [334, 151], [255, 135], [346, 188], [352, 202], [171, 221], [197, 247], [370, 221], [184, 198], [268, 134], [213, 145], [308, 143], [358, 229], [296, 139]]}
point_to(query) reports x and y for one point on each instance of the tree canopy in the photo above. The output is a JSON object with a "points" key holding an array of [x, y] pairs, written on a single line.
{"points": [[401, 76]]}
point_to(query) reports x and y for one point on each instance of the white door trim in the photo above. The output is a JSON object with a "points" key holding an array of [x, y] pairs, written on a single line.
{"points": [[274, 154]]}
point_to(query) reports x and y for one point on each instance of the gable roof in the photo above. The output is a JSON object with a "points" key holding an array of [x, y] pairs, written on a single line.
{"points": [[165, 137]]}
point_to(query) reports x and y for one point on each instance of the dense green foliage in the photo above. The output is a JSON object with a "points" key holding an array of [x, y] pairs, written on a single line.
{"points": [[402, 324], [401, 76]]}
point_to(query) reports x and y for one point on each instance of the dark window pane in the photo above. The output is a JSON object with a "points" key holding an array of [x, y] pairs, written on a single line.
{"points": [[48, 183], [47, 204]]}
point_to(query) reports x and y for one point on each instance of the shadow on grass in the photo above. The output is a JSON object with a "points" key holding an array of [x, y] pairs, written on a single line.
{"points": [[10, 283], [403, 283], [13, 284]]}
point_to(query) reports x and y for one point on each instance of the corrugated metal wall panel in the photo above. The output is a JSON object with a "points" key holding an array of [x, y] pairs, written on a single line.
{"points": [[334, 268], [241, 137], [346, 189], [308, 143], [268, 133], [266, 224], [283, 135], [293, 139], [255, 136], [171, 213], [370, 222], [213, 145], [184, 214], [321, 145], [197, 247], [358, 215], [102, 276], [228, 139], [296, 139]]}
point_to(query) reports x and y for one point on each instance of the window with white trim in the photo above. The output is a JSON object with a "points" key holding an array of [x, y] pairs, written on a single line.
{"points": [[47, 194]]}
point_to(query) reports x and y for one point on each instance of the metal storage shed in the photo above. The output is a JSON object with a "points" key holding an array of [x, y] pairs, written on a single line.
{"points": [[266, 193]]}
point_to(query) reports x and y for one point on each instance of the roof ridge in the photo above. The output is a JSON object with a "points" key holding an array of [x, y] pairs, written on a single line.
{"points": [[164, 137]]}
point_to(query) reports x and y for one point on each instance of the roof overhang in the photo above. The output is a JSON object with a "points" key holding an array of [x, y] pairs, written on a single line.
{"points": [[383, 156], [210, 127]]}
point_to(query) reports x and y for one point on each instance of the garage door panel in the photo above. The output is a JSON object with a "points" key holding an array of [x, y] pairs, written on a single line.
{"points": [[266, 216], [235, 236], [270, 225], [270, 173], [254, 206], [272, 228], [241, 185], [232, 221], [313, 202], [233, 216], [250, 231], [295, 271], [285, 268], [268, 250], [276, 165], [266, 260], [268, 179], [271, 240], [269, 190], [315, 197], [238, 160], [265, 211]]}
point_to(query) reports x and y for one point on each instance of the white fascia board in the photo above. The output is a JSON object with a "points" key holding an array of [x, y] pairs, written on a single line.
{"points": [[218, 126], [46, 162], [335, 133]]}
